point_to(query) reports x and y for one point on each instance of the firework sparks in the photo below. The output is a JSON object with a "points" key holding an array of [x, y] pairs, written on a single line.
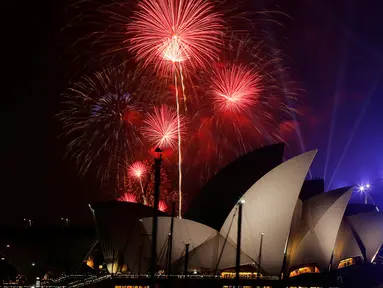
{"points": [[171, 31], [127, 197], [101, 120], [142, 188], [137, 170], [240, 107], [235, 88], [161, 127], [243, 108], [162, 206]]}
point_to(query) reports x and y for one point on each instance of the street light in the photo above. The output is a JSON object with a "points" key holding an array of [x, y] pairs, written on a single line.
{"points": [[364, 189], [157, 184], [260, 255], [239, 238]]}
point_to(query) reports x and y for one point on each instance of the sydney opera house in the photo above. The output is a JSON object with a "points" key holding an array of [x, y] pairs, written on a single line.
{"points": [[290, 227]]}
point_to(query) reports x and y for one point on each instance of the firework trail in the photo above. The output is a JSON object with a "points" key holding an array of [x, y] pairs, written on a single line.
{"points": [[179, 147], [101, 119], [138, 170], [167, 32]]}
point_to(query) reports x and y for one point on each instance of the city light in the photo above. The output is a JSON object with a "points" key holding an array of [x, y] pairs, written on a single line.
{"points": [[363, 188]]}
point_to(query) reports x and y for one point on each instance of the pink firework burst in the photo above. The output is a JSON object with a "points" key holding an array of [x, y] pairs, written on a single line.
{"points": [[137, 170], [127, 197], [162, 206], [161, 127], [172, 31], [235, 88]]}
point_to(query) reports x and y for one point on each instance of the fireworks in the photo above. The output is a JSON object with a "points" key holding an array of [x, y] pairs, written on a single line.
{"points": [[235, 88], [140, 184], [241, 107], [161, 128], [137, 170], [101, 117], [170, 31], [162, 206], [239, 96], [127, 197]]}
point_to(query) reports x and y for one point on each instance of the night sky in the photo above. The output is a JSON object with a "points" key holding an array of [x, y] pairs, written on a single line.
{"points": [[334, 50]]}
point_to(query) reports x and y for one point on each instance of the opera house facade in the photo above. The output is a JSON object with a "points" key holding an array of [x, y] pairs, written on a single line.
{"points": [[289, 226]]}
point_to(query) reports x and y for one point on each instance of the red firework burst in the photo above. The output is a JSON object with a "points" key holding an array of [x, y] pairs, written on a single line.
{"points": [[235, 88], [172, 31], [162, 206], [127, 197], [161, 127], [137, 170]]}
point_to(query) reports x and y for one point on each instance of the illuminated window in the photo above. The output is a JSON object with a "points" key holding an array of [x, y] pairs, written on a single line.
{"points": [[304, 270], [90, 263], [231, 275], [346, 262]]}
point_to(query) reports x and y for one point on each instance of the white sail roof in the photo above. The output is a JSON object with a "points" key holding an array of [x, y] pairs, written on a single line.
{"points": [[346, 245], [216, 254], [314, 240], [269, 208], [185, 231], [360, 235]]}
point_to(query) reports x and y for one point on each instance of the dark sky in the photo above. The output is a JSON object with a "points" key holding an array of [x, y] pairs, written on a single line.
{"points": [[337, 55], [334, 50]]}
